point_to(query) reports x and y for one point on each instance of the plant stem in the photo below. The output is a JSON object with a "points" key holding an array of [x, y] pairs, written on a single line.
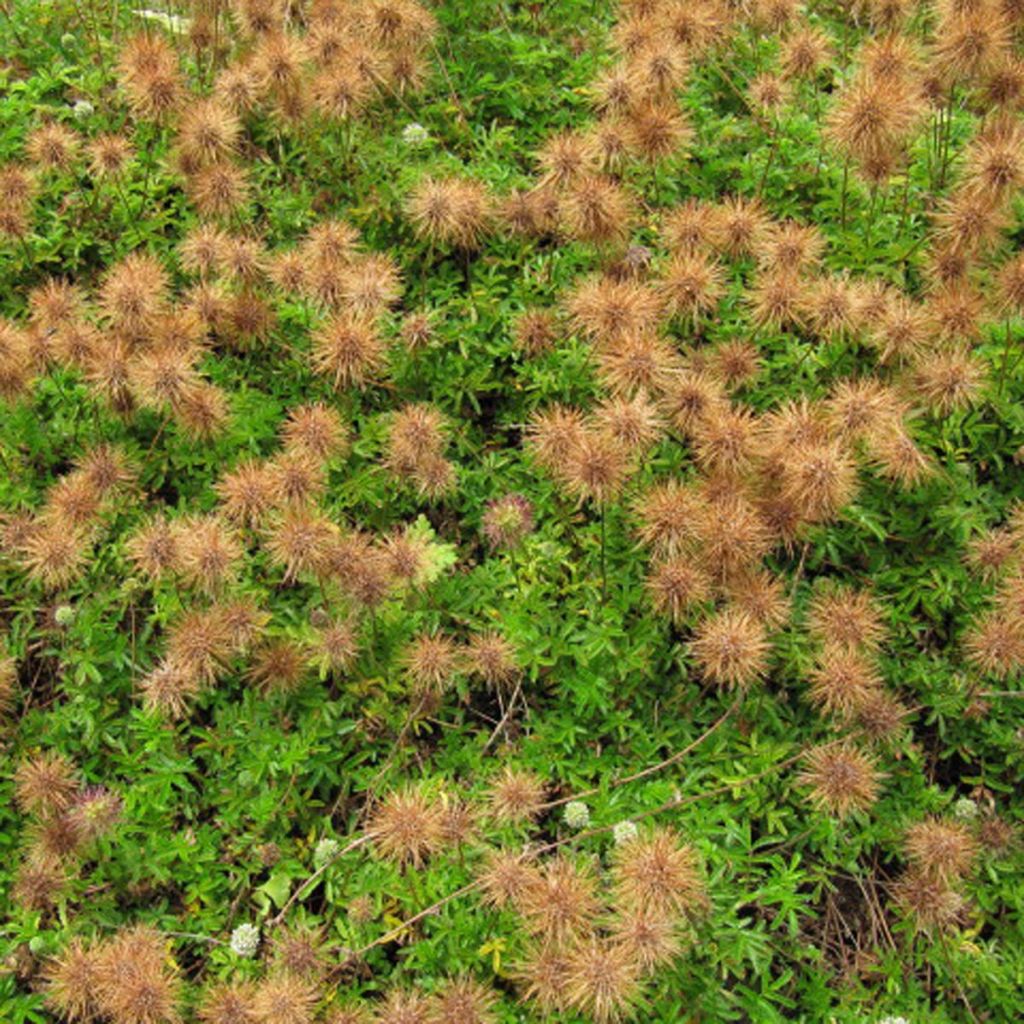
{"points": [[771, 159], [1006, 357], [604, 575], [846, 182]]}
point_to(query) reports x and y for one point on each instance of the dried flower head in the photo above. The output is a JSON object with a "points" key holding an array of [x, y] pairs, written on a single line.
{"points": [[407, 826], [563, 904], [516, 795], [929, 902], [349, 350], [450, 211], [603, 980], [841, 779]]}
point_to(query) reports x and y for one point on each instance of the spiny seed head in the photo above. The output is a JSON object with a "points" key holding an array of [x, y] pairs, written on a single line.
{"points": [[408, 557], [406, 826], [634, 423], [666, 513], [769, 93], [403, 1006], [335, 645], [55, 303], [534, 331], [736, 362], [845, 618], [299, 541], [228, 1002], [133, 292], [733, 534], [71, 982], [154, 547], [219, 189], [52, 147], [209, 554], [595, 467], [641, 363], [45, 784], [731, 648], [505, 876], [542, 976], [370, 284], [416, 433], [348, 350], [949, 380], [1010, 285], [597, 210], [564, 158], [316, 429], [287, 269], [691, 286], [170, 689], [299, 951], [340, 93], [691, 227], [943, 850], [563, 904], [515, 796], [493, 659], [804, 52], [776, 300], [930, 903], [606, 310], [200, 643], [994, 644], [450, 211], [658, 874], [418, 330], [137, 978], [970, 43], [841, 779], [882, 718], [789, 247], [432, 662], [861, 407], [820, 480], [658, 69], [208, 131], [650, 937], [762, 596], [724, 439], [284, 998], [55, 553], [843, 682], [677, 585], [463, 1000], [741, 225], [955, 311], [247, 493], [603, 980]]}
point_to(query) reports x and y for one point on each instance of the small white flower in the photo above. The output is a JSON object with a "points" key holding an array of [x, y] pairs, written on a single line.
{"points": [[894, 1020], [64, 615], [324, 851], [577, 814], [624, 832], [82, 109], [245, 940], [965, 809], [415, 134]]}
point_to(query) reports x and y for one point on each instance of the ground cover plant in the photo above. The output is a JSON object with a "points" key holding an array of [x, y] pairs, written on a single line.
{"points": [[511, 511]]}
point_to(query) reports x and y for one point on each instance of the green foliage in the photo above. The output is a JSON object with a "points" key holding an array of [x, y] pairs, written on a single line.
{"points": [[223, 808]]}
